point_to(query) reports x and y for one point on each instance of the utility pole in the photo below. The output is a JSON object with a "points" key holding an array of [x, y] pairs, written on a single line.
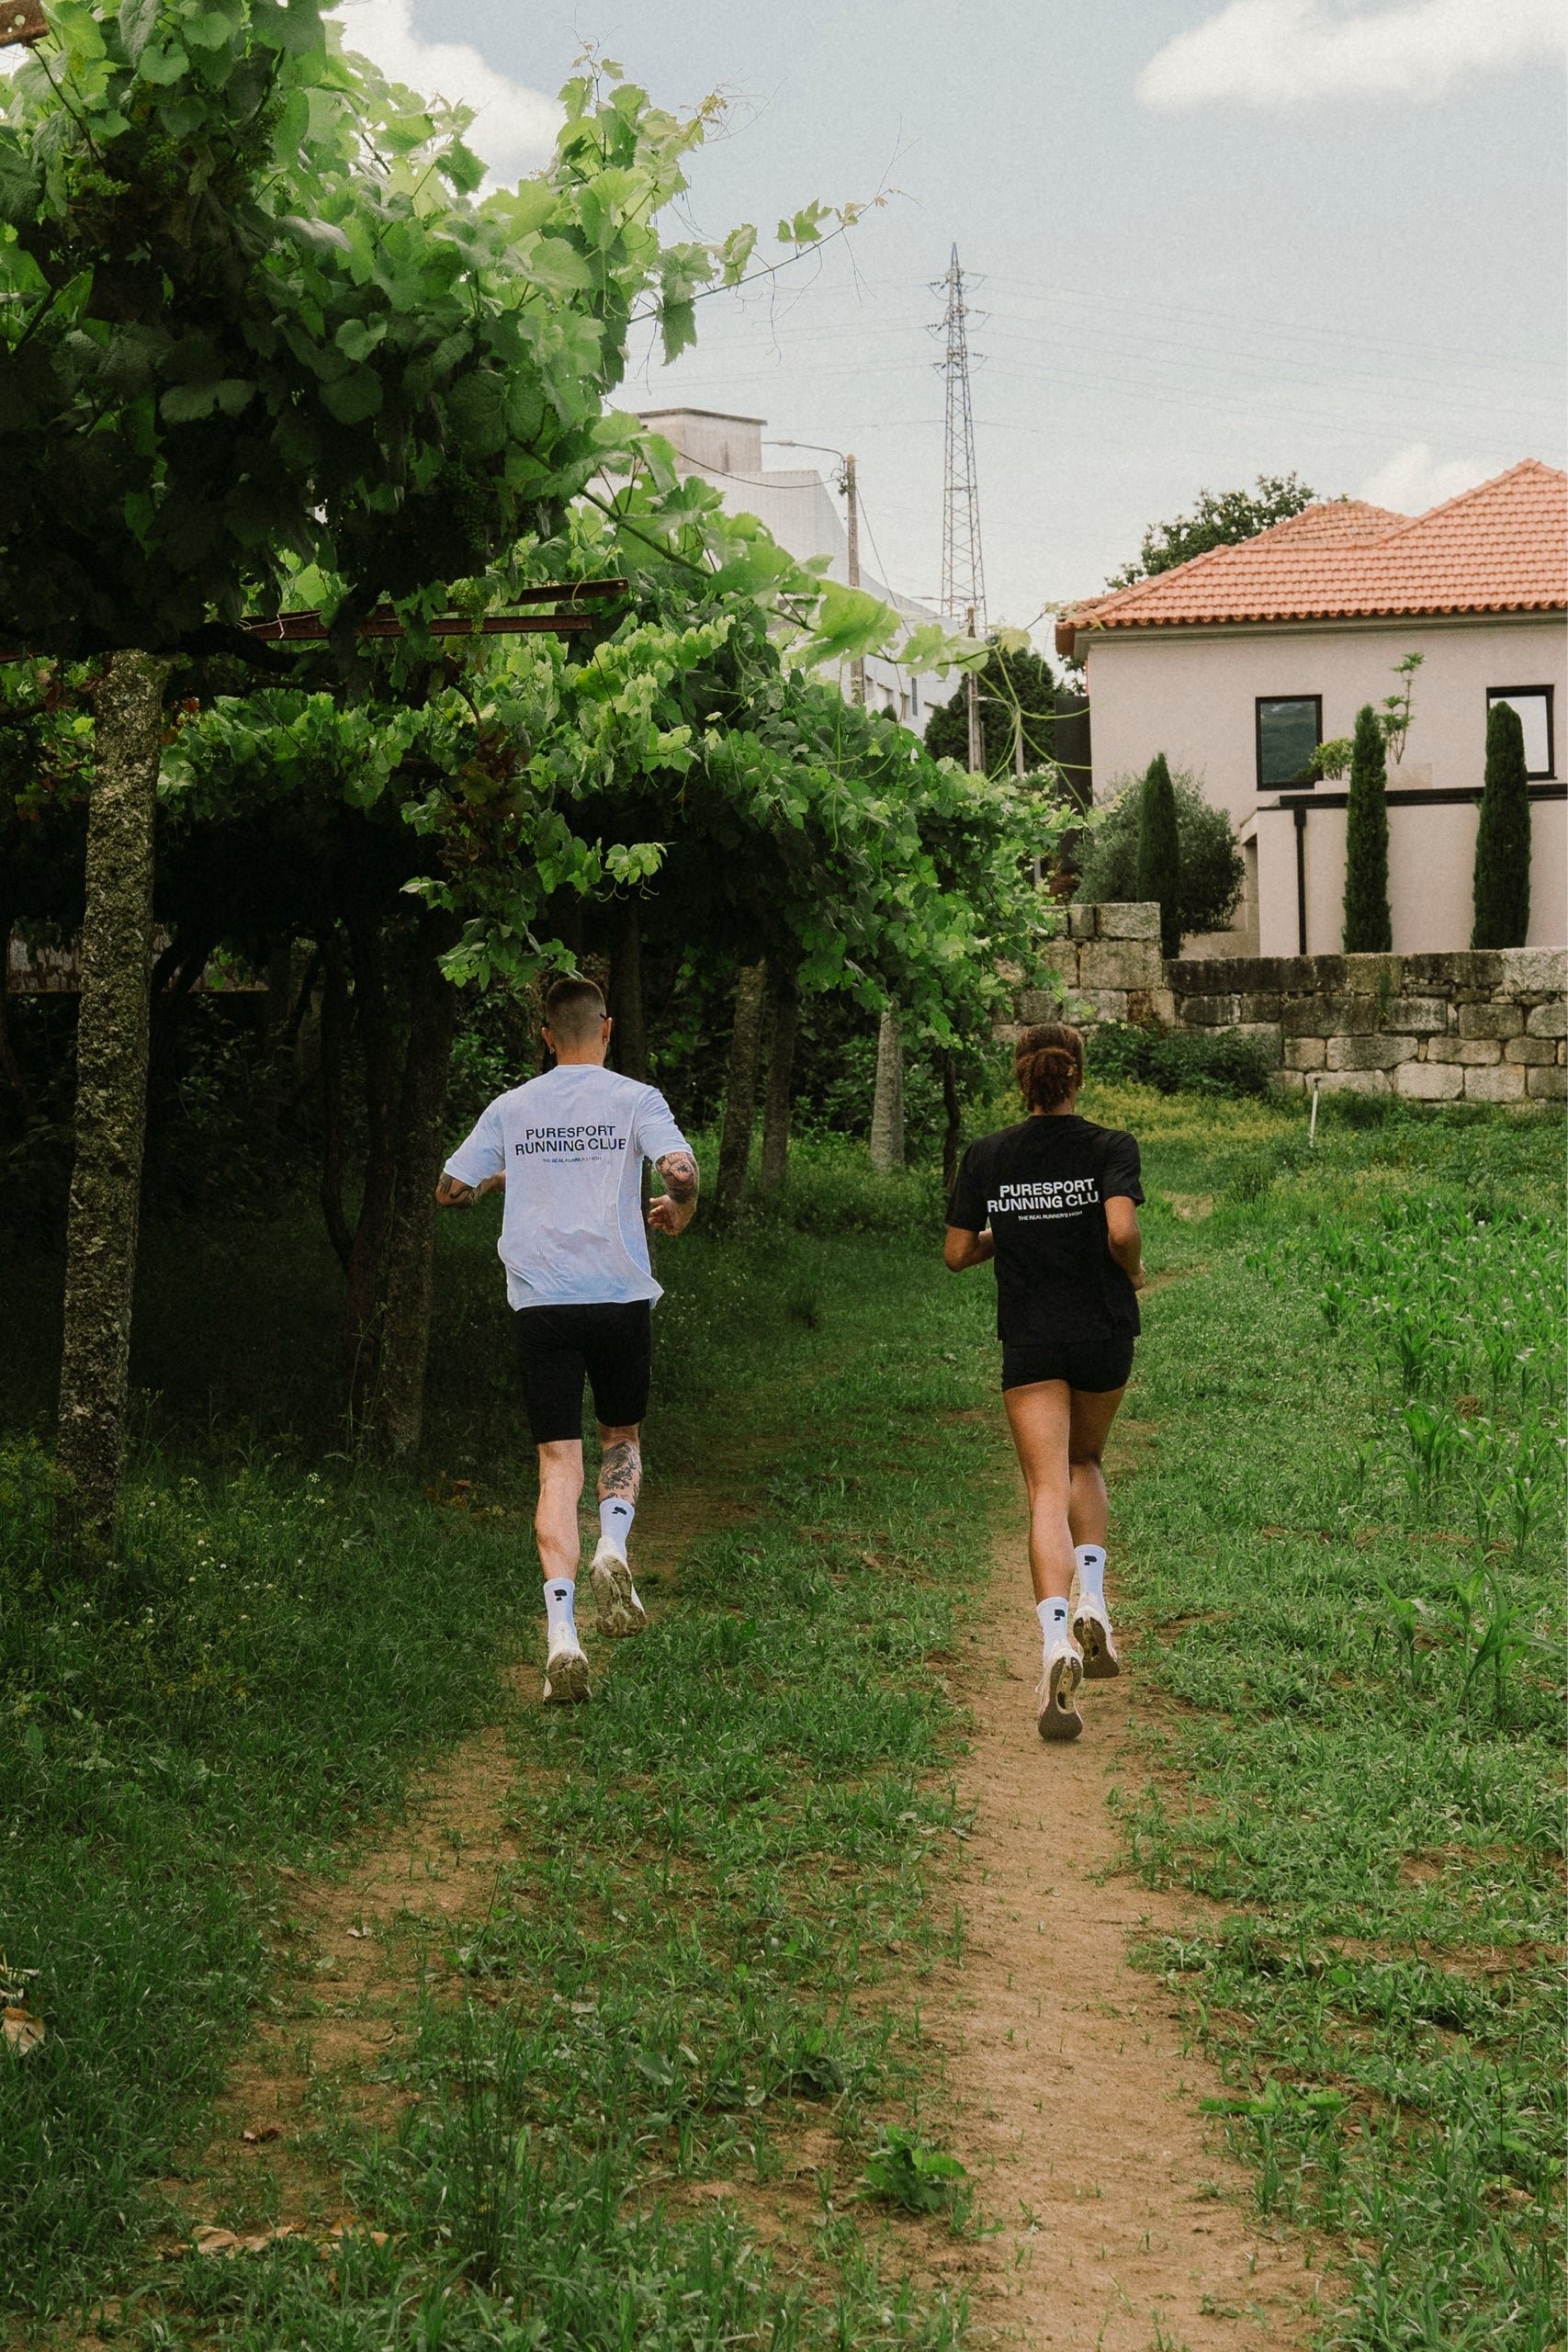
{"points": [[852, 503], [962, 567]]}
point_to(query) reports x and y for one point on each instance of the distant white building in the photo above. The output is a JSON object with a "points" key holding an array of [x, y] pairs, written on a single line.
{"points": [[797, 506]]}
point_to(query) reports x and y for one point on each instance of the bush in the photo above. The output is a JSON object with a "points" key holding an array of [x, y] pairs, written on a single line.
{"points": [[1211, 870], [1158, 870], [1502, 882], [1179, 1061], [1368, 927]]}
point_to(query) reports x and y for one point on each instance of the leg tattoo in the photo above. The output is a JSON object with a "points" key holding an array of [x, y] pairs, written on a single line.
{"points": [[620, 1471]]}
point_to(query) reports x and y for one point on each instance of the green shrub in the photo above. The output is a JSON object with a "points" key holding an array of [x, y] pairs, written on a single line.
{"points": [[1158, 870], [1181, 1061], [1212, 869], [1368, 926], [1502, 884]]}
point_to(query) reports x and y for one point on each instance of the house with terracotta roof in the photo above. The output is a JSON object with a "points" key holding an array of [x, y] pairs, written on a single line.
{"points": [[1238, 663]]}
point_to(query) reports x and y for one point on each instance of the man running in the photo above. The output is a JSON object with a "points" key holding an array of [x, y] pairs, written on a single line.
{"points": [[568, 1147]]}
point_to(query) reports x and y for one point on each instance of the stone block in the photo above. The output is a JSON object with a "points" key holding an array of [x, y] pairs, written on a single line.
{"points": [[1120, 963], [1430, 1081], [1533, 971], [1417, 1016], [1471, 1052], [1151, 1008], [1208, 1011], [1039, 1005], [1099, 1004], [1479, 969], [1548, 1020], [1365, 974], [1260, 1006], [1305, 1052], [1505, 1083], [1536, 1050], [1134, 919], [1490, 1021], [1547, 1085], [1290, 1081], [1081, 922], [1331, 1015], [1356, 1081], [1370, 1053]]}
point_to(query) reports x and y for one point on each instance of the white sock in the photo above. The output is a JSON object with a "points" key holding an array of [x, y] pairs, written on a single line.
{"points": [[559, 1596], [1053, 1616], [616, 1517], [1091, 1558]]}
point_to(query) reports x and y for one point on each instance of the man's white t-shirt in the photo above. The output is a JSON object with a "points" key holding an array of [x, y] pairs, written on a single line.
{"points": [[572, 1145]]}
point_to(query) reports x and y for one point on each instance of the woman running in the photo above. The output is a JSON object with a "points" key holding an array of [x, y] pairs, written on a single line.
{"points": [[1060, 1195]]}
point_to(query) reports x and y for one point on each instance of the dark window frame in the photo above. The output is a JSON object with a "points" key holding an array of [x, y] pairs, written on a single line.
{"points": [[1303, 784], [1503, 693]]}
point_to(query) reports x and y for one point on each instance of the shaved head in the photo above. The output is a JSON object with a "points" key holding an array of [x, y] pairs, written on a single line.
{"points": [[573, 1011]]}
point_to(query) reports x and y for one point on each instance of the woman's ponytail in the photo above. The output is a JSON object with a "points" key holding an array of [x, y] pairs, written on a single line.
{"points": [[1048, 1064]]}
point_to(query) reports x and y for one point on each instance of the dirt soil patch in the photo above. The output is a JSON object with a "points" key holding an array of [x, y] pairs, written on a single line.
{"points": [[1125, 2224]]}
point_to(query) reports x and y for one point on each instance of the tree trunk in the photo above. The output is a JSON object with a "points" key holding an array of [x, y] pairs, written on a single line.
{"points": [[411, 1244], [111, 1094], [629, 1035], [887, 1103], [373, 1018], [776, 1103], [10, 1069], [334, 1028], [954, 1127], [740, 1094]]}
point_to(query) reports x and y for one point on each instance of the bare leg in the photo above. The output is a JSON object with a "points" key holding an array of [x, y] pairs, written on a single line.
{"points": [[1093, 1411], [620, 1479], [620, 1463], [555, 1518], [1040, 1416]]}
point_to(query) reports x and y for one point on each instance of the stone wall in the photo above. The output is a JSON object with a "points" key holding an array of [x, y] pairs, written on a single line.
{"points": [[1488, 1026], [1483, 1027]]}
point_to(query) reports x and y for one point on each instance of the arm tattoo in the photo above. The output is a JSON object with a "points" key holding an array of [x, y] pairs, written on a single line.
{"points": [[452, 1194], [620, 1472], [678, 1170]]}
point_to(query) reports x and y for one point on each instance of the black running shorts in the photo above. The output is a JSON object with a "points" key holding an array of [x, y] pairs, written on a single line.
{"points": [[1092, 1365], [610, 1345]]}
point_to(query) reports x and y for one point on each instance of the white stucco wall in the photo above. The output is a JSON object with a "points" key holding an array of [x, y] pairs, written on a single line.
{"points": [[1192, 694]]}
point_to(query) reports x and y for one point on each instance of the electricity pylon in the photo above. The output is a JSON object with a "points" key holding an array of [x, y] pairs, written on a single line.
{"points": [[963, 566]]}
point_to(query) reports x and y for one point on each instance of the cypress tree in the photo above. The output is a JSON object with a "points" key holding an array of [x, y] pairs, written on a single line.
{"points": [[1503, 836], [1159, 852], [1368, 927]]}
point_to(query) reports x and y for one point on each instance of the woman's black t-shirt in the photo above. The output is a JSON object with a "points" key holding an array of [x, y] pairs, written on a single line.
{"points": [[1042, 1186]]}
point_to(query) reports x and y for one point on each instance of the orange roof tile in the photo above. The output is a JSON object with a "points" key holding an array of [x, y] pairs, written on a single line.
{"points": [[1500, 547]]}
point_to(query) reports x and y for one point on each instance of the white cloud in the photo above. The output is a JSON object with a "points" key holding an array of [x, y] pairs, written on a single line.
{"points": [[1282, 53], [1413, 480], [515, 127]]}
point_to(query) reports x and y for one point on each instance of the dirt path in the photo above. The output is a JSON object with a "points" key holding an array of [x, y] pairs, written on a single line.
{"points": [[1126, 2227]]}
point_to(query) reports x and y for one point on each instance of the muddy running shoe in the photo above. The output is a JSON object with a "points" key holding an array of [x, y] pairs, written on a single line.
{"points": [[566, 1677], [1059, 1716], [1091, 1631], [614, 1595]]}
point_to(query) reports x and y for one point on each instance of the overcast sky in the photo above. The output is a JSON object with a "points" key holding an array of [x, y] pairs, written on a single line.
{"points": [[1207, 241]]}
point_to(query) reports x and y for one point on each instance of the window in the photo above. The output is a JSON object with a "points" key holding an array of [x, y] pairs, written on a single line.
{"points": [[1289, 729], [1534, 707]]}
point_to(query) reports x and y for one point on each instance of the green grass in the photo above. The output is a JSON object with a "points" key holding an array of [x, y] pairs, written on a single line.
{"points": [[726, 1851], [1353, 1594], [740, 1857]]}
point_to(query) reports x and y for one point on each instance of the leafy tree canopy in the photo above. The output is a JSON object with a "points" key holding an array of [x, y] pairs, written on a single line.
{"points": [[1220, 519], [254, 309]]}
